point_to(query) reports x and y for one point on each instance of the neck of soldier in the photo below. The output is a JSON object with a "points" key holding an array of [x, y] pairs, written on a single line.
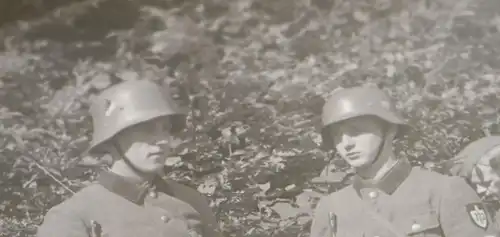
{"points": [[122, 168], [382, 165]]}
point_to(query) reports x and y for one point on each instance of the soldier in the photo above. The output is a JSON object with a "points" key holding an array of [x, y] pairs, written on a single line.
{"points": [[136, 124], [479, 164], [388, 197]]}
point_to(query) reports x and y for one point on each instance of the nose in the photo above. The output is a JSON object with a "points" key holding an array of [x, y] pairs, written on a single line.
{"points": [[349, 147], [348, 143]]}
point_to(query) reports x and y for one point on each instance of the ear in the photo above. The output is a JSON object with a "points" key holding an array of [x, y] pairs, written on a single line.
{"points": [[110, 152], [393, 128]]}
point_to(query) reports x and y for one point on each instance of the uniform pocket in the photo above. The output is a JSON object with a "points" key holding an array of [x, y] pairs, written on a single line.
{"points": [[426, 224]]}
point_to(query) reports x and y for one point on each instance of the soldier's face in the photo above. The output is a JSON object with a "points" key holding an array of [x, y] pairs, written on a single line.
{"points": [[358, 140], [148, 145], [485, 178]]}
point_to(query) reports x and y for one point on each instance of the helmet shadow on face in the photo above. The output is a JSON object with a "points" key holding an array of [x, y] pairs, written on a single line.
{"points": [[356, 102], [358, 140], [142, 148], [485, 176], [479, 164]]}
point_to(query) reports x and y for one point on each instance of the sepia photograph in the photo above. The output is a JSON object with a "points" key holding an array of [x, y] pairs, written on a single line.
{"points": [[250, 118]]}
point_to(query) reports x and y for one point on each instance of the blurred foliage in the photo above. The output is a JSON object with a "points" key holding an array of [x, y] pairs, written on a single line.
{"points": [[255, 74]]}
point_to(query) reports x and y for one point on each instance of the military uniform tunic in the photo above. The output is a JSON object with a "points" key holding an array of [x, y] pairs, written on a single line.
{"points": [[124, 209], [405, 202]]}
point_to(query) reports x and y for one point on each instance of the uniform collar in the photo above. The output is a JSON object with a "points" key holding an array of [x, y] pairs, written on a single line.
{"points": [[390, 182], [132, 191]]}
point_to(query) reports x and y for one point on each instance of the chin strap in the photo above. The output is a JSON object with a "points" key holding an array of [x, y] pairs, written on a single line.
{"points": [[382, 146], [134, 168], [388, 139]]}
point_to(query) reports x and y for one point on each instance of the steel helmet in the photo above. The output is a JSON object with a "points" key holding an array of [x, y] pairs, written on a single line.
{"points": [[358, 101], [467, 159], [130, 103]]}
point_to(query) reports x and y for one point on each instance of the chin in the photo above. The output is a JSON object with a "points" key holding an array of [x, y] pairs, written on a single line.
{"points": [[359, 163], [151, 170]]}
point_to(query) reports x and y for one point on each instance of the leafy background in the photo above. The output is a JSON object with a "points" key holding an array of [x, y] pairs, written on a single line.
{"points": [[255, 74]]}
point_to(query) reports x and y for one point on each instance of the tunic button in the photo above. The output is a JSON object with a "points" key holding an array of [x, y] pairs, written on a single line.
{"points": [[415, 227], [165, 219], [372, 194]]}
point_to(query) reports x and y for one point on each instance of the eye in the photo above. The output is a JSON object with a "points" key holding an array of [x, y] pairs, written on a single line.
{"points": [[149, 128], [355, 131], [336, 135], [166, 127], [495, 163], [336, 138]]}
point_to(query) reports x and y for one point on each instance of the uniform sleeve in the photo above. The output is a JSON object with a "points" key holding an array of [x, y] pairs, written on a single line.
{"points": [[322, 223], [462, 213], [59, 223]]}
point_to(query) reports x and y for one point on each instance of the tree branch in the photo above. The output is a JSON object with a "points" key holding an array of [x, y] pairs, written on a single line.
{"points": [[19, 28], [47, 172]]}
